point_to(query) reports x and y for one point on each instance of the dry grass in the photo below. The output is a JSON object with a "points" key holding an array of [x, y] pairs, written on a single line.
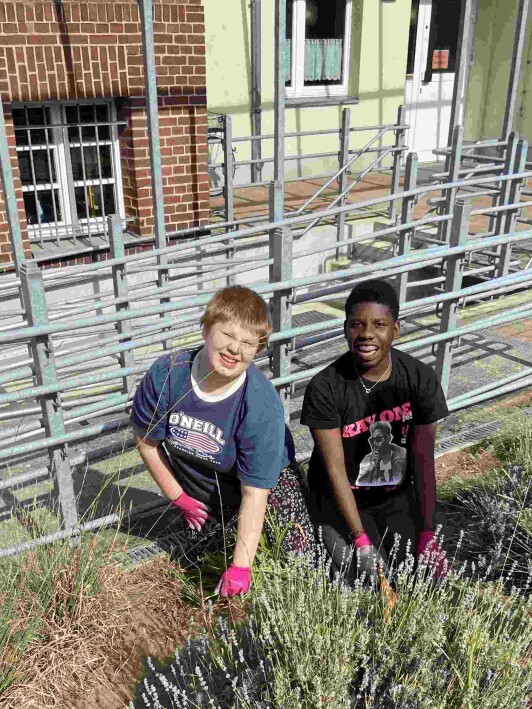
{"points": [[155, 622], [97, 648], [74, 639]]}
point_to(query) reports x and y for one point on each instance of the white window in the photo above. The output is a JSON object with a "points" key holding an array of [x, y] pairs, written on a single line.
{"points": [[69, 164], [318, 46]]}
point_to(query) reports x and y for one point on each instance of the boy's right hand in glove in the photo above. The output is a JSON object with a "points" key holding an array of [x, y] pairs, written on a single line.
{"points": [[194, 511], [369, 561], [430, 552]]}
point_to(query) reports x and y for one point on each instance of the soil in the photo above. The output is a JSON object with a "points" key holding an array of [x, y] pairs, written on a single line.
{"points": [[462, 464], [142, 613]]}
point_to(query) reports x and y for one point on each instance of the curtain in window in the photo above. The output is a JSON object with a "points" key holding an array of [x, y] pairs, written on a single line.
{"points": [[287, 60], [323, 59]]}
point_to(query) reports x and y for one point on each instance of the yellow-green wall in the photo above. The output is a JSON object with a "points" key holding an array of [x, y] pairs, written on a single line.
{"points": [[494, 36], [377, 77]]}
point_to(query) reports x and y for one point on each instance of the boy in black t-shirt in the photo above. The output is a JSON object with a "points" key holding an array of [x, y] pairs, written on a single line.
{"points": [[372, 414]]}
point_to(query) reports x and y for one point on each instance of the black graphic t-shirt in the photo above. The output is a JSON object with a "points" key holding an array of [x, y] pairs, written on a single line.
{"points": [[376, 427]]}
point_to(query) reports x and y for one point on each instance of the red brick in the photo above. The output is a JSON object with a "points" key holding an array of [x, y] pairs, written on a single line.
{"points": [[195, 17], [108, 39], [41, 39], [13, 40]]}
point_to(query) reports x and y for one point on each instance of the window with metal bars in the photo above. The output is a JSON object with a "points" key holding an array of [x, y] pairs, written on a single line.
{"points": [[69, 165]]}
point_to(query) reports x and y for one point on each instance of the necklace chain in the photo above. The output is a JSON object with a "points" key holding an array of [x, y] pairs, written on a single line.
{"points": [[368, 389]]}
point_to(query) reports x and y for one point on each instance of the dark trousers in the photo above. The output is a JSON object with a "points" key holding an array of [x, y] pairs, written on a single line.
{"points": [[287, 524], [391, 525]]}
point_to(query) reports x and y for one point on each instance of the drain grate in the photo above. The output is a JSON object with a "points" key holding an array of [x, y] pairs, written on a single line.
{"points": [[467, 437], [146, 552], [137, 555]]}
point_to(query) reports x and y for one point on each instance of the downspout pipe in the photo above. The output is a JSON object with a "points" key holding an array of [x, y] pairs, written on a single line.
{"points": [[256, 88], [463, 61], [515, 68]]}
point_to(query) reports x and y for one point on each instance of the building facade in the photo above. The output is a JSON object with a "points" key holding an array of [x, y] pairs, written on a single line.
{"points": [[371, 56], [73, 91]]}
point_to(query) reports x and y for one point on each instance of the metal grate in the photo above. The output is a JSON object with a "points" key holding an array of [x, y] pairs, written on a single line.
{"points": [[468, 437]]}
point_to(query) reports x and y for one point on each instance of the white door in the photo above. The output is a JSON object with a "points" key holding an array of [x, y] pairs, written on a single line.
{"points": [[430, 74]]}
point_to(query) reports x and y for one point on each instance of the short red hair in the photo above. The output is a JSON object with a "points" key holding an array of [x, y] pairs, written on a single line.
{"points": [[240, 305]]}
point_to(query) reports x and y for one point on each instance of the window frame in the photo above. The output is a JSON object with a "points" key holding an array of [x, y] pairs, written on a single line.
{"points": [[59, 151], [297, 88]]}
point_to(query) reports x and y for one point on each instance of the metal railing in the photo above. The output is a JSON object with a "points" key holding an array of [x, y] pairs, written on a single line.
{"points": [[86, 356], [346, 154]]}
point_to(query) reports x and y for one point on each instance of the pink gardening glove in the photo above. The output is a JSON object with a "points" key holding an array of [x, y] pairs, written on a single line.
{"points": [[369, 560], [193, 511], [430, 551], [234, 581]]}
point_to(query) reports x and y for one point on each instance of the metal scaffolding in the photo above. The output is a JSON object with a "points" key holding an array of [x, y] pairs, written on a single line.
{"points": [[70, 366]]}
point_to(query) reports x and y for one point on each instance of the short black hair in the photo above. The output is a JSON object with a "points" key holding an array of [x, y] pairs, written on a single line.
{"points": [[374, 291], [383, 426]]}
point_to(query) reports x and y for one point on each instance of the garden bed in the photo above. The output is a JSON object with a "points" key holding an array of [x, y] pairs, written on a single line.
{"points": [[98, 623]]}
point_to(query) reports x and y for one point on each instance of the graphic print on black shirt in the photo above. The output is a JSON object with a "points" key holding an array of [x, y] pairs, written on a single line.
{"points": [[386, 464]]}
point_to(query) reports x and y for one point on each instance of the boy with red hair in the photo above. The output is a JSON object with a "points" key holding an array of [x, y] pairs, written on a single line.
{"points": [[210, 428]]}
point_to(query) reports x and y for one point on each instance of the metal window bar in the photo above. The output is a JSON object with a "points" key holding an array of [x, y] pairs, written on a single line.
{"points": [[99, 163], [32, 173], [66, 192], [51, 168]]}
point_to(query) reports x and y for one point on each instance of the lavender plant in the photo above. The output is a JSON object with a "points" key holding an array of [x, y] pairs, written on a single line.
{"points": [[310, 642]]}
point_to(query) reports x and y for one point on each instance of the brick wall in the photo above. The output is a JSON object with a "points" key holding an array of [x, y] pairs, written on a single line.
{"points": [[61, 49]]}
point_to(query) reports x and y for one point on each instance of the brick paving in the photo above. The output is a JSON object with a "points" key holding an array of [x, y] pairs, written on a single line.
{"points": [[521, 330], [253, 201]]}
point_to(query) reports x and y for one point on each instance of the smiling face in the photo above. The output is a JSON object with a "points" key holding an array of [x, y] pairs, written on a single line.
{"points": [[370, 330], [229, 349]]}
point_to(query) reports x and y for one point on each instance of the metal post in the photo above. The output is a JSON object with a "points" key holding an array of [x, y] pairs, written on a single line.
{"points": [[463, 61], [453, 283], [342, 179], [276, 200], [515, 69], [256, 88], [10, 197], [148, 52], [452, 167], [509, 223], [397, 158], [503, 191], [503, 196], [116, 244], [46, 374], [229, 169], [281, 246], [407, 210], [10, 201], [229, 192], [279, 98]]}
